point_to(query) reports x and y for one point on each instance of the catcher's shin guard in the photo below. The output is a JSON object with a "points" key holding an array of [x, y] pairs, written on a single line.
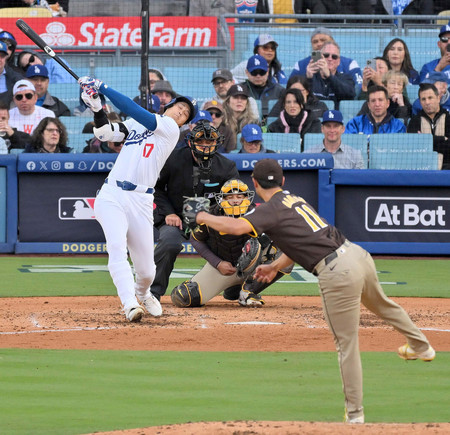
{"points": [[187, 294]]}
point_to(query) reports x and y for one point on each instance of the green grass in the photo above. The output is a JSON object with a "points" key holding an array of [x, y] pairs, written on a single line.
{"points": [[420, 278], [73, 392]]}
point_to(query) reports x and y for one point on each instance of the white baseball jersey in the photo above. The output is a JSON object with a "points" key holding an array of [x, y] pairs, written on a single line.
{"points": [[144, 152], [28, 123]]}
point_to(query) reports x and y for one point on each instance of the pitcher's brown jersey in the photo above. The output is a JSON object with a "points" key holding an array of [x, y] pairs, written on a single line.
{"points": [[295, 228]]}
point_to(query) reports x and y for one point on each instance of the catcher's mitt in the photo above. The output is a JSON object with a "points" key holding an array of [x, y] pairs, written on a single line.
{"points": [[193, 206], [250, 258]]}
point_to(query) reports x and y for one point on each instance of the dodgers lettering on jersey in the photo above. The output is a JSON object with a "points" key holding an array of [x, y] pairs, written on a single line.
{"points": [[145, 152]]}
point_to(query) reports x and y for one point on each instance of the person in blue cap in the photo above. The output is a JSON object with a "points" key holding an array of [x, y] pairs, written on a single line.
{"points": [[252, 140], [259, 85], [38, 75], [440, 80], [441, 64], [266, 46], [344, 156], [8, 77]]}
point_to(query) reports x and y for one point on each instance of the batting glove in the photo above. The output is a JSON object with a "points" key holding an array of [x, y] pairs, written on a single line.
{"points": [[91, 99], [90, 82]]}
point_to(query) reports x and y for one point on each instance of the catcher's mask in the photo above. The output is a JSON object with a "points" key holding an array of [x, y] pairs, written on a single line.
{"points": [[204, 141], [234, 187]]}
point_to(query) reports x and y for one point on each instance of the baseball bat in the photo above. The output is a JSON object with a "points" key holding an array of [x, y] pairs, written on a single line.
{"points": [[25, 28]]}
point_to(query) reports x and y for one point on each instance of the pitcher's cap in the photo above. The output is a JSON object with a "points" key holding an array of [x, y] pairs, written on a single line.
{"points": [[268, 170]]}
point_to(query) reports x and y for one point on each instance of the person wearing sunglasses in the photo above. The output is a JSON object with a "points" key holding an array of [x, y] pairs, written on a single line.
{"points": [[441, 64], [217, 112], [56, 73], [266, 46], [27, 115], [259, 85], [327, 83], [319, 37], [7, 75], [50, 136]]}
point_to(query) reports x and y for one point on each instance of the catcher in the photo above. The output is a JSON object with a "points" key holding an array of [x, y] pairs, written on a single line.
{"points": [[231, 260]]}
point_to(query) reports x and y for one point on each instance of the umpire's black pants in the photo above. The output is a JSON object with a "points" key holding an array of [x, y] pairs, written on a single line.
{"points": [[166, 252]]}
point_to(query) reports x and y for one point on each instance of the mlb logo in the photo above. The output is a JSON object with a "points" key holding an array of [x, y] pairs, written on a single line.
{"points": [[76, 208]]}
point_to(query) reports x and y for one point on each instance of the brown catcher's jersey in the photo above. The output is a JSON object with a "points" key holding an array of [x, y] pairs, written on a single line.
{"points": [[295, 228]]}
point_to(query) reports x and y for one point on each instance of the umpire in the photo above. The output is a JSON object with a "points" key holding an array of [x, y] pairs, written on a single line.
{"points": [[194, 170], [346, 273]]}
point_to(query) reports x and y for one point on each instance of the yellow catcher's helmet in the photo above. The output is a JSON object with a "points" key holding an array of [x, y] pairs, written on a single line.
{"points": [[232, 187]]}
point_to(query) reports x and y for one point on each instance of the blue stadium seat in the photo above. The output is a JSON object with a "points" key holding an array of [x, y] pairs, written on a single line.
{"points": [[192, 81], [413, 142], [404, 160], [78, 141], [279, 142], [402, 151], [16, 151], [68, 93], [350, 108], [75, 124], [413, 92]]}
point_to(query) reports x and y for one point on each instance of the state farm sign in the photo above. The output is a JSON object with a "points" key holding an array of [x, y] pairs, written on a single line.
{"points": [[119, 31]]}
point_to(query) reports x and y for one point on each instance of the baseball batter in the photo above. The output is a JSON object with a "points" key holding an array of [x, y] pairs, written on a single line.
{"points": [[124, 205], [346, 273]]}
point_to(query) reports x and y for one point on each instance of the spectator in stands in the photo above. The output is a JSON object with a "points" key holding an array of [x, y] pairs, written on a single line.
{"points": [[319, 37], [238, 111], [211, 8], [50, 136], [11, 43], [217, 113], [293, 117], [327, 83], [38, 75], [378, 120], [438, 79], [266, 46], [397, 54], [399, 105], [26, 115], [313, 105], [258, 84], [252, 140], [56, 73], [443, 63], [7, 76], [344, 156], [222, 80], [163, 90], [14, 139], [154, 75], [373, 75], [202, 116], [433, 119]]}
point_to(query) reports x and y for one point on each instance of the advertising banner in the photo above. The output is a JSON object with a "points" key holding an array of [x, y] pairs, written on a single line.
{"points": [[419, 214], [124, 32]]}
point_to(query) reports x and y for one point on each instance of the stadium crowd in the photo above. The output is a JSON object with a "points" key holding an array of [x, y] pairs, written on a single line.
{"points": [[256, 92]]}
